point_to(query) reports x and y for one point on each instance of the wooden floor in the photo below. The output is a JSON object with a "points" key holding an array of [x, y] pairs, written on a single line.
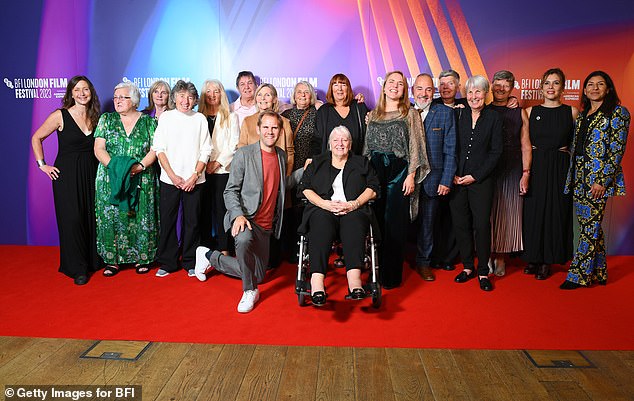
{"points": [[174, 371]]}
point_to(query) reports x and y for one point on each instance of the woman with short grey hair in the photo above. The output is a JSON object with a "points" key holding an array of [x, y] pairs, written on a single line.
{"points": [[302, 124], [183, 145], [126, 203], [479, 146]]}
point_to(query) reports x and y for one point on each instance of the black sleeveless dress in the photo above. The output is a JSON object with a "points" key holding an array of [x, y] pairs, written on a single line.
{"points": [[547, 210], [74, 196]]}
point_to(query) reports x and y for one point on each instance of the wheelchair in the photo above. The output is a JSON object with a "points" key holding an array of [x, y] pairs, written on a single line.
{"points": [[372, 288]]}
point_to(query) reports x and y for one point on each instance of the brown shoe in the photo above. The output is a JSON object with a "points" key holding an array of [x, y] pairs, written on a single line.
{"points": [[426, 273]]}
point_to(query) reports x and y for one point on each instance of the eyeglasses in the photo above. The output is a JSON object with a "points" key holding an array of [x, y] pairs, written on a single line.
{"points": [[121, 98]]}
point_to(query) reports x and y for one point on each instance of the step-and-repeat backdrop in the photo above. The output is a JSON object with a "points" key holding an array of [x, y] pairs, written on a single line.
{"points": [[45, 43]]}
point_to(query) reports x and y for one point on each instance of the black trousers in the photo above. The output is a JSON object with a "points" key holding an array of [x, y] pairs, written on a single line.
{"points": [[324, 227], [212, 212], [471, 214], [167, 252], [445, 250]]}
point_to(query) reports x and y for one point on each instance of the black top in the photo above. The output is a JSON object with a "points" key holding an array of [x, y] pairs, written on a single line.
{"points": [[211, 123], [304, 137], [358, 175], [582, 136], [328, 118], [479, 148]]}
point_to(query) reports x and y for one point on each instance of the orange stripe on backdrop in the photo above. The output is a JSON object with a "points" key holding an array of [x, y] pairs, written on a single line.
{"points": [[446, 37], [378, 9], [469, 48], [403, 35], [367, 43], [424, 35]]}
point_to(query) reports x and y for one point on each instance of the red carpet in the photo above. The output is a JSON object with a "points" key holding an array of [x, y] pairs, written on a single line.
{"points": [[521, 313]]}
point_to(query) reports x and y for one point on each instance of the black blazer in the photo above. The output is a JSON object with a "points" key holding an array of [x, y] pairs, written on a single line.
{"points": [[358, 175], [479, 149]]}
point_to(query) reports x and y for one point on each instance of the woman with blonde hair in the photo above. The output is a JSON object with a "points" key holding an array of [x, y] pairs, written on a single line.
{"points": [[266, 99], [224, 129], [395, 145], [158, 99]]}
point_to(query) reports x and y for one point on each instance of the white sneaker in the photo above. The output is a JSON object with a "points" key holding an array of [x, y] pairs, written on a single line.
{"points": [[202, 263], [249, 298]]}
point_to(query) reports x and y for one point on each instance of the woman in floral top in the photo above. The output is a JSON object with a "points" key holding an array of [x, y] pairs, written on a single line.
{"points": [[126, 200]]}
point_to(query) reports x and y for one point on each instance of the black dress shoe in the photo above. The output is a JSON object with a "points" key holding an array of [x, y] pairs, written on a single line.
{"points": [[319, 298], [356, 294], [449, 267], [81, 279], [485, 284], [531, 268], [569, 285], [543, 271], [463, 277]]}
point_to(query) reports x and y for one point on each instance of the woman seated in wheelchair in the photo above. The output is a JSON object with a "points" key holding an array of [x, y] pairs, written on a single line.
{"points": [[337, 185]]}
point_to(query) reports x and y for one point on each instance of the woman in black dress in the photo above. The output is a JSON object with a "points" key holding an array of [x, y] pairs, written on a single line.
{"points": [[511, 174], [548, 236], [73, 176]]}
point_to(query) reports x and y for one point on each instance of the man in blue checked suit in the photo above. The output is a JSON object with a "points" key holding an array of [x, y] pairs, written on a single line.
{"points": [[440, 137]]}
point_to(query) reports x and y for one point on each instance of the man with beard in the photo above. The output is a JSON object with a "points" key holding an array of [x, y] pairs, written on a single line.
{"points": [[440, 138]]}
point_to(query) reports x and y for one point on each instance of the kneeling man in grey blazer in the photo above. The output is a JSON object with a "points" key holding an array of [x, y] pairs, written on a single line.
{"points": [[254, 198]]}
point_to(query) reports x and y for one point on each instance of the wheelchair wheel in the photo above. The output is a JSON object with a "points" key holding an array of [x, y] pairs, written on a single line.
{"points": [[376, 296], [301, 299]]}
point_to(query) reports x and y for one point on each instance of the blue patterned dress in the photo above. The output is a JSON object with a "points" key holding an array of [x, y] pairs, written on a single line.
{"points": [[598, 161]]}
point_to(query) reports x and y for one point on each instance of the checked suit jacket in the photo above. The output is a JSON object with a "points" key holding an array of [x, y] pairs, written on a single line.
{"points": [[440, 137]]}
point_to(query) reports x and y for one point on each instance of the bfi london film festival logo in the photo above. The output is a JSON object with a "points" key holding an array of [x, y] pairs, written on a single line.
{"points": [[145, 83], [531, 89], [285, 85], [37, 88]]}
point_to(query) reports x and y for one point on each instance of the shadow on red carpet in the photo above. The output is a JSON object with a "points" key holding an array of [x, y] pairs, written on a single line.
{"points": [[521, 313]]}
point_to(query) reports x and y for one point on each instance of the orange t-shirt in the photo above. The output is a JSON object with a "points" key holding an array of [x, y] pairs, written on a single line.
{"points": [[271, 170]]}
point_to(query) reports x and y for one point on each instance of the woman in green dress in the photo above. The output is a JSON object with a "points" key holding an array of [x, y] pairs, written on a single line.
{"points": [[126, 199]]}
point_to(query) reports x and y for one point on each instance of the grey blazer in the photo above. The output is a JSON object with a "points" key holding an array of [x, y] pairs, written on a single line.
{"points": [[243, 193]]}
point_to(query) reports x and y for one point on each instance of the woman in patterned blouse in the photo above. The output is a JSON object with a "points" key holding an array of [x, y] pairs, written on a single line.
{"points": [[595, 174]]}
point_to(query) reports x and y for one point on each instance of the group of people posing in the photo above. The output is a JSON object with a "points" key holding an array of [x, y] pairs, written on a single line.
{"points": [[479, 181]]}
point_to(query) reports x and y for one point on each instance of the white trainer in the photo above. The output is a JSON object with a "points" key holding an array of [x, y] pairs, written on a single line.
{"points": [[202, 263], [249, 298]]}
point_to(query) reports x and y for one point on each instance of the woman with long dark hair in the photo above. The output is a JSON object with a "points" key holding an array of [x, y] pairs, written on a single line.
{"points": [[547, 234], [595, 174], [73, 176]]}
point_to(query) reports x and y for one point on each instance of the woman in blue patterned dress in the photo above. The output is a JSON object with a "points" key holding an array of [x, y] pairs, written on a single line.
{"points": [[595, 174]]}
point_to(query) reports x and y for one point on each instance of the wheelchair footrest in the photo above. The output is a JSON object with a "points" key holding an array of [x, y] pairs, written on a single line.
{"points": [[302, 287]]}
